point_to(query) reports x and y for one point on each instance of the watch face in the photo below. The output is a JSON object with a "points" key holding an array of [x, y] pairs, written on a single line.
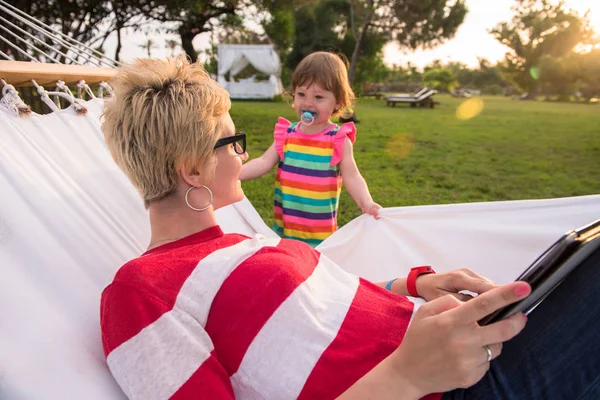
{"points": [[423, 269]]}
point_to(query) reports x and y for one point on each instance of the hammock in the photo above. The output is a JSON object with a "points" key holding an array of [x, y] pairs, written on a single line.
{"points": [[69, 219]]}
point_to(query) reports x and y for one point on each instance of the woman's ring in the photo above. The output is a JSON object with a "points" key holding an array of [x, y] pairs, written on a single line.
{"points": [[489, 352]]}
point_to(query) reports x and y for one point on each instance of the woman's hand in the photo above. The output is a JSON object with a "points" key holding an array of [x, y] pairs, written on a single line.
{"points": [[432, 286], [370, 207], [443, 348]]}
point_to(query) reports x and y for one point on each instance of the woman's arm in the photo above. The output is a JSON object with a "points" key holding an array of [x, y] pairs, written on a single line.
{"points": [[382, 382], [151, 351], [355, 184], [443, 348], [257, 167], [432, 286], [398, 286]]}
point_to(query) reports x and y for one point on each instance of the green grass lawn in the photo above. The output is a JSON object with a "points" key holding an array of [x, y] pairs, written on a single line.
{"points": [[512, 150]]}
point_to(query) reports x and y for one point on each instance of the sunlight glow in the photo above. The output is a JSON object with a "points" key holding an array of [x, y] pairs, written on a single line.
{"points": [[594, 15], [400, 146], [473, 39], [469, 109]]}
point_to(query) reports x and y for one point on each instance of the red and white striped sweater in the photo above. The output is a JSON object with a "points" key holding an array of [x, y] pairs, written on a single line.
{"points": [[214, 316]]}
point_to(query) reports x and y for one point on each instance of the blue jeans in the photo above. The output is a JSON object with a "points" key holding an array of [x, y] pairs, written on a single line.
{"points": [[557, 355]]}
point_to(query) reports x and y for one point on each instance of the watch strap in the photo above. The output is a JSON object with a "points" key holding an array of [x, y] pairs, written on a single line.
{"points": [[411, 280]]}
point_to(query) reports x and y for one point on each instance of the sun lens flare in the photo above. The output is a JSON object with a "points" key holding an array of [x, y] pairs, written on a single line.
{"points": [[535, 73], [469, 109], [400, 146]]}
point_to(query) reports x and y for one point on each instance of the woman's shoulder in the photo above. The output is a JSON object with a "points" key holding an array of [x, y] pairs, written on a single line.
{"points": [[281, 263], [171, 264], [268, 256], [167, 270]]}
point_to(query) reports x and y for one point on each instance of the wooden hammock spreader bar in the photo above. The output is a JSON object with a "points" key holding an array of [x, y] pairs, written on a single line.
{"points": [[20, 73]]}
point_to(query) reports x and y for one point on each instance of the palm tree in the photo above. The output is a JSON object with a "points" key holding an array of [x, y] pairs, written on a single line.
{"points": [[171, 44], [148, 45]]}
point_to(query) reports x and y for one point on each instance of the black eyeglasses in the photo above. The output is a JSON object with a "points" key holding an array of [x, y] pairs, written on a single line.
{"points": [[239, 140]]}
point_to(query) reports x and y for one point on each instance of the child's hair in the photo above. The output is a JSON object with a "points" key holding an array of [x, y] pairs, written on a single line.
{"points": [[329, 71]]}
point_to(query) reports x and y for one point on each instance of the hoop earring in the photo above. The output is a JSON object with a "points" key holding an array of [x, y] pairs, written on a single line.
{"points": [[194, 208]]}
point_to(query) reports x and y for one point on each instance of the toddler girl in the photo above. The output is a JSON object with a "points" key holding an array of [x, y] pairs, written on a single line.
{"points": [[314, 154]]}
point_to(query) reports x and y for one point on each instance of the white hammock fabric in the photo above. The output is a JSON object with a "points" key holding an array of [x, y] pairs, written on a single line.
{"points": [[69, 218], [496, 239]]}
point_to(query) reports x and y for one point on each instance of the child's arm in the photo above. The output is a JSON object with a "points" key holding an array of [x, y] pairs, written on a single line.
{"points": [[355, 184], [257, 167]]}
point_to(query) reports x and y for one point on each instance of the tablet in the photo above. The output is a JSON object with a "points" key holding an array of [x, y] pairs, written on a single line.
{"points": [[551, 268]]}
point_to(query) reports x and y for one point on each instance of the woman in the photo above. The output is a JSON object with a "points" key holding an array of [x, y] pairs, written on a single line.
{"points": [[205, 315]]}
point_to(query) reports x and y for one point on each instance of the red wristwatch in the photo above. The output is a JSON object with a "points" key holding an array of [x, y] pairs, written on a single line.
{"points": [[411, 280]]}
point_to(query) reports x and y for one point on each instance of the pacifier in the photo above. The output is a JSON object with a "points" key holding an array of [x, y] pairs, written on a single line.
{"points": [[308, 117]]}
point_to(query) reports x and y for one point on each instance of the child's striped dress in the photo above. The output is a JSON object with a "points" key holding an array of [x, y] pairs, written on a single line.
{"points": [[308, 181]]}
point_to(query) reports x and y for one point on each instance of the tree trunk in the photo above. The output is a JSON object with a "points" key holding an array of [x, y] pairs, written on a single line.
{"points": [[119, 44], [358, 46], [186, 42]]}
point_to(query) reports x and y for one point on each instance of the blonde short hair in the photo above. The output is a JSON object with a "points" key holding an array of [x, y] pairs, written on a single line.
{"points": [[329, 71], [163, 113]]}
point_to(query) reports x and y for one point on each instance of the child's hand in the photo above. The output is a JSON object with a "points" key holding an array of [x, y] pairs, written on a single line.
{"points": [[371, 208]]}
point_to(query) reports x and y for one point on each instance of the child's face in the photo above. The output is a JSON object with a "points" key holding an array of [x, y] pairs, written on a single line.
{"points": [[315, 99]]}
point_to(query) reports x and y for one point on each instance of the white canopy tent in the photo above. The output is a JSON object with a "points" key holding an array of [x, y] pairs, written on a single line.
{"points": [[233, 58]]}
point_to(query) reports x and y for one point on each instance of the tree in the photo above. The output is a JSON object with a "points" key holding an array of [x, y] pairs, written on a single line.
{"points": [[487, 75], [171, 44], [148, 45], [441, 79], [539, 28], [280, 29], [193, 17], [465, 76], [360, 28], [435, 64], [557, 76], [325, 27], [317, 23], [588, 65], [413, 73], [124, 16], [190, 17], [78, 19], [411, 23]]}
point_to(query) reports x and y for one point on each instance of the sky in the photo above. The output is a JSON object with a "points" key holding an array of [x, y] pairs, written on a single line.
{"points": [[472, 39]]}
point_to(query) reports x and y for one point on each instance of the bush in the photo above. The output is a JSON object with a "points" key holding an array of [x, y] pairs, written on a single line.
{"points": [[403, 87], [441, 79], [494, 89]]}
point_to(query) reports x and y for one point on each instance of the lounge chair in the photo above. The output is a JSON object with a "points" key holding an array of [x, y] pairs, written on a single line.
{"points": [[423, 98], [410, 95]]}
